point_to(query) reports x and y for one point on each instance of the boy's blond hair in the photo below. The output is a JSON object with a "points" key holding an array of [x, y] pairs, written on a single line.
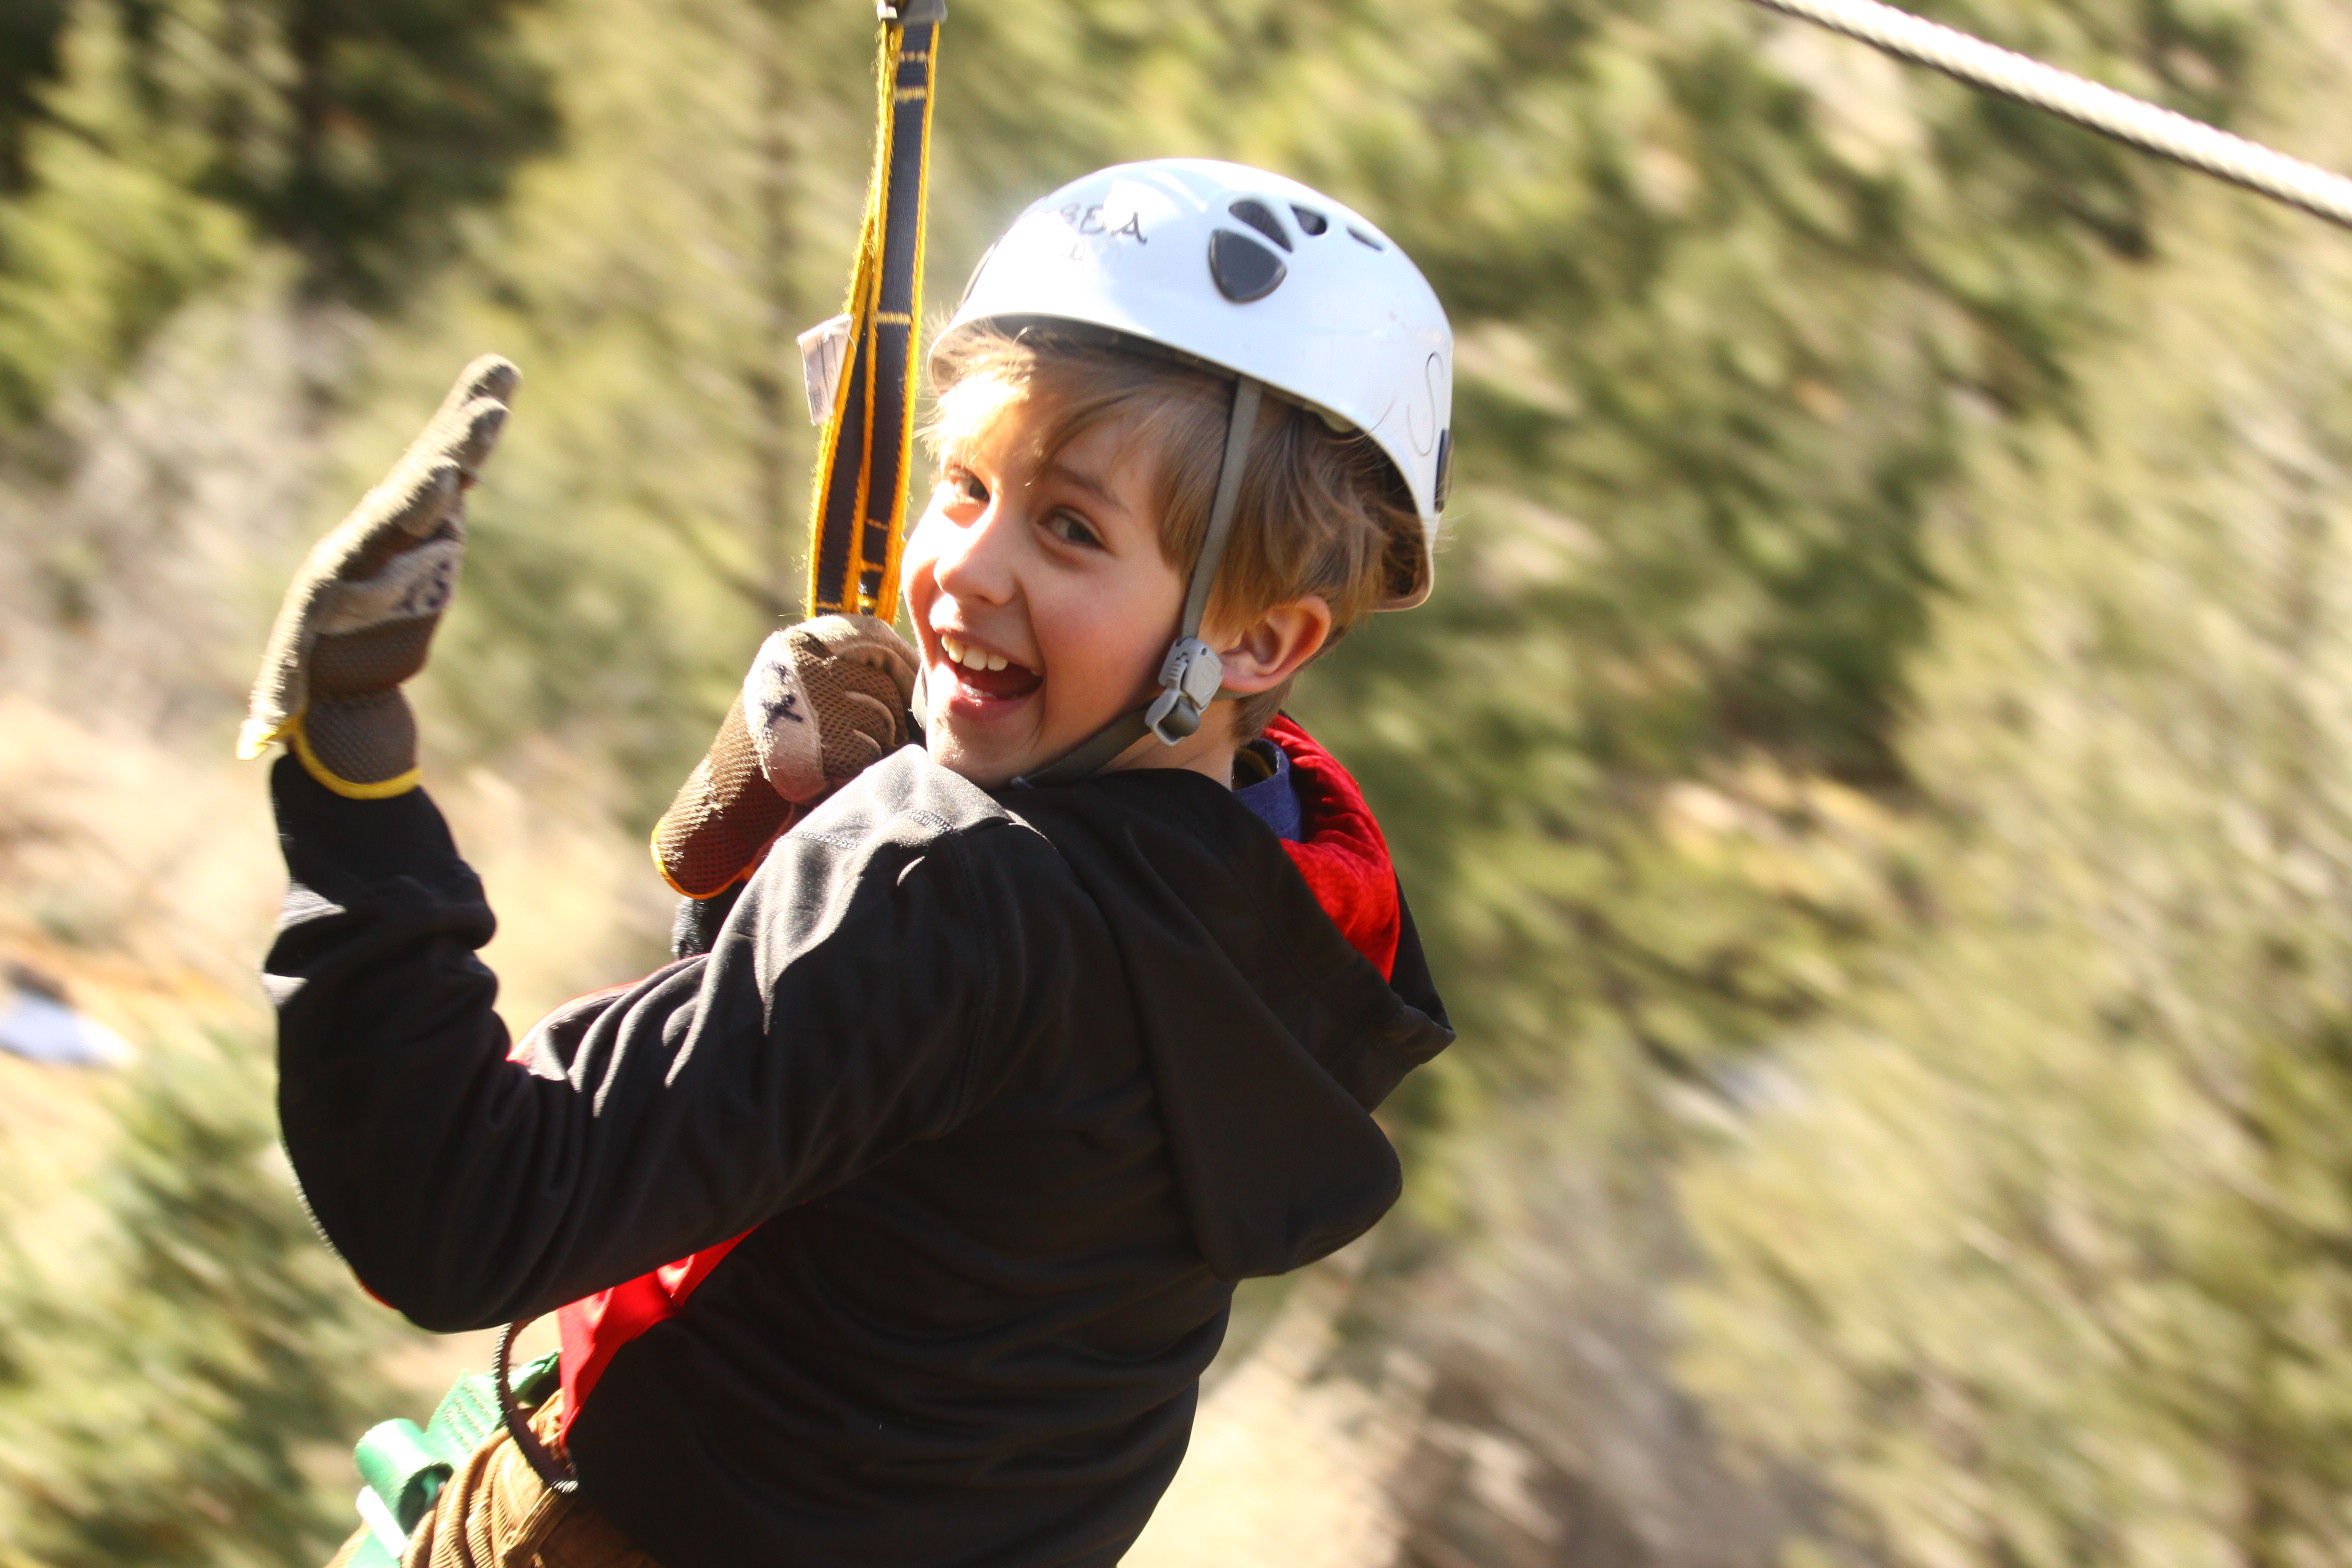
{"points": [[1321, 511]]}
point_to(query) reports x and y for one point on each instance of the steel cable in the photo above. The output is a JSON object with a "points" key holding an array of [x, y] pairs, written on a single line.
{"points": [[2131, 120]]}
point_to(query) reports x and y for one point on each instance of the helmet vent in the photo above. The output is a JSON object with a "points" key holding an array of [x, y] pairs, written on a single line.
{"points": [[1260, 217], [1361, 238], [1244, 269], [1310, 220]]}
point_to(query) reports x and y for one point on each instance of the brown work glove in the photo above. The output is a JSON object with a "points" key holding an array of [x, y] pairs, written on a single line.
{"points": [[823, 700], [359, 616]]}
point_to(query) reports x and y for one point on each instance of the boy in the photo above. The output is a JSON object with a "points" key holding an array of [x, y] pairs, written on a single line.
{"points": [[899, 1219]]}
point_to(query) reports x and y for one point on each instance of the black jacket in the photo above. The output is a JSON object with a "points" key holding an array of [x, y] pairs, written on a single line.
{"points": [[1008, 1089]]}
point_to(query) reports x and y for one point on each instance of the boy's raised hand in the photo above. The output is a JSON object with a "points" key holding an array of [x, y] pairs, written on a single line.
{"points": [[359, 616], [823, 700]]}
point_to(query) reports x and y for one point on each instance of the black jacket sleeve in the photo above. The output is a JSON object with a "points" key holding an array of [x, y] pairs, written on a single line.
{"points": [[849, 1007]]}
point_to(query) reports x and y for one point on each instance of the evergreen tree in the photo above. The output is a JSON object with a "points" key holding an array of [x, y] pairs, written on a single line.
{"points": [[2036, 1257], [353, 130], [110, 235], [177, 133], [188, 1383], [28, 59]]}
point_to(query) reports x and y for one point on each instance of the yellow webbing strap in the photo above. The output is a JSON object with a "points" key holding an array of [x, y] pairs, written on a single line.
{"points": [[859, 508]]}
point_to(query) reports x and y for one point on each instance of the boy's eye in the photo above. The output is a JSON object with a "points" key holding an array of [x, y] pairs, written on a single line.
{"points": [[964, 485], [1070, 528]]}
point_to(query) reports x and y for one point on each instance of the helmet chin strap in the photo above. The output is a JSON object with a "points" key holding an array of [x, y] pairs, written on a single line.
{"points": [[1192, 675]]}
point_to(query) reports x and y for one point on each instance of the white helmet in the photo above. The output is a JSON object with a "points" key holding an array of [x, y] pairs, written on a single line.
{"points": [[1252, 273]]}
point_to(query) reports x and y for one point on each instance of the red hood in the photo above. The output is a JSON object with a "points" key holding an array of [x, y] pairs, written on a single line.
{"points": [[1344, 857]]}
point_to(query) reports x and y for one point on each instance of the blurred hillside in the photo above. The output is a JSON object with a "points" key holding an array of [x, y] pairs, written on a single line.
{"points": [[1869, 775]]}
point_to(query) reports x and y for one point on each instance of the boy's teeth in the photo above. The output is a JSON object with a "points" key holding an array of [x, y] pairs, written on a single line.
{"points": [[969, 657]]}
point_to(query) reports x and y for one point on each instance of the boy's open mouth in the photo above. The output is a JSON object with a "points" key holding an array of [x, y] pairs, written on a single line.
{"points": [[990, 674]]}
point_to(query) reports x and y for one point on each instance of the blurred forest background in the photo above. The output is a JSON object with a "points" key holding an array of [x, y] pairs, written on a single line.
{"points": [[1876, 774]]}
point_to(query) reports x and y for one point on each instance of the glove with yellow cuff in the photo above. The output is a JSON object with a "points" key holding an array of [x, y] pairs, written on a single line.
{"points": [[359, 616]]}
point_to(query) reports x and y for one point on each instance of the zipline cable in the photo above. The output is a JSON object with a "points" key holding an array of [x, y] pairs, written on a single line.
{"points": [[2130, 120]]}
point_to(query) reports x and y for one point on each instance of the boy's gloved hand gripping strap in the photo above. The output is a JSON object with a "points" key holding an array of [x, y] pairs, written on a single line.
{"points": [[1192, 675]]}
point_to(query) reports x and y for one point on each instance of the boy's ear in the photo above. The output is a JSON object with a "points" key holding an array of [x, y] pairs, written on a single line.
{"points": [[1276, 645]]}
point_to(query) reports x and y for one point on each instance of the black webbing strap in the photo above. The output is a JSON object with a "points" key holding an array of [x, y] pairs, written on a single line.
{"points": [[858, 513], [558, 1476]]}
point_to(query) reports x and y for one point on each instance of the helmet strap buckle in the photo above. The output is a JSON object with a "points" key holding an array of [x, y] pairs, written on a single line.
{"points": [[1190, 679]]}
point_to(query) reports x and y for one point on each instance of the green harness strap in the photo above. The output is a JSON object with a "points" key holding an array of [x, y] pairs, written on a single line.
{"points": [[405, 1466]]}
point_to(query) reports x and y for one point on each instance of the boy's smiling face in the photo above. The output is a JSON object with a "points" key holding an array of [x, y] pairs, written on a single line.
{"points": [[1036, 585]]}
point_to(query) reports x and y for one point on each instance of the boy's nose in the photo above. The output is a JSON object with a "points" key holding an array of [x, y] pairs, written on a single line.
{"points": [[975, 562]]}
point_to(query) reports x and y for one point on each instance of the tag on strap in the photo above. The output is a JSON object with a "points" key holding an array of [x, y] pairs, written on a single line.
{"points": [[822, 349]]}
